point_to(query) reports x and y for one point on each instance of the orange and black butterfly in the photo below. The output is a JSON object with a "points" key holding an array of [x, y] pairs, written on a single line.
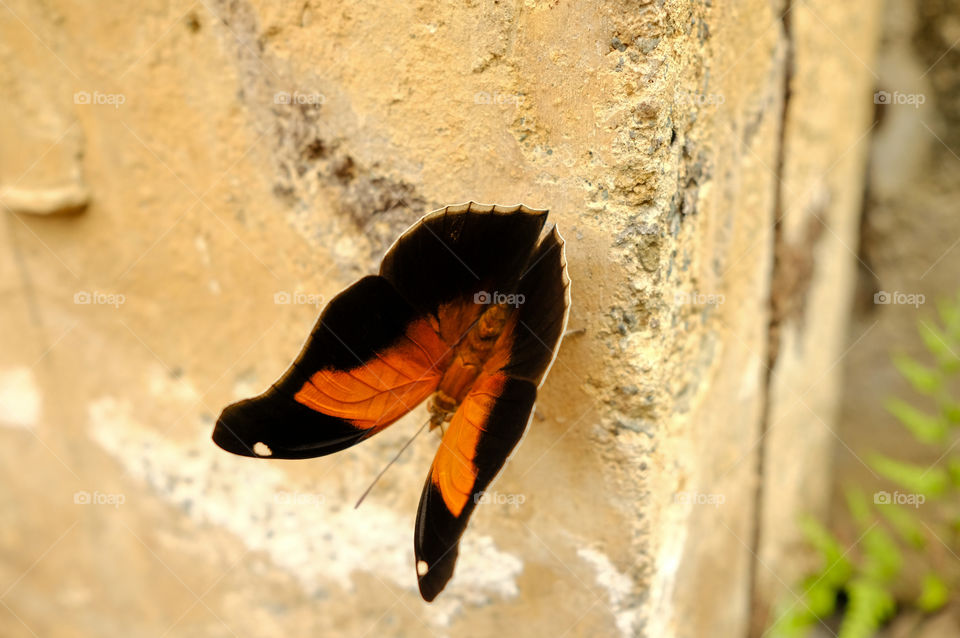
{"points": [[469, 308]]}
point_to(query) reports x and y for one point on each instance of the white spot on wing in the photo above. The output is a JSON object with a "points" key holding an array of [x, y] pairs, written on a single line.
{"points": [[422, 567], [262, 449]]}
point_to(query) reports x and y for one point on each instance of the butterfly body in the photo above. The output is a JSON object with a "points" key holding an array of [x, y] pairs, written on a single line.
{"points": [[471, 355], [467, 312]]}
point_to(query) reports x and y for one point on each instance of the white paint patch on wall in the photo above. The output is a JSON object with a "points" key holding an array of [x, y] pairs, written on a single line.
{"points": [[618, 586], [19, 398], [662, 615], [319, 538]]}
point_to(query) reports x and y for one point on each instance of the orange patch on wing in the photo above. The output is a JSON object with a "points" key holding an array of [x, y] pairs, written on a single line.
{"points": [[500, 355], [456, 318], [386, 387], [454, 471]]}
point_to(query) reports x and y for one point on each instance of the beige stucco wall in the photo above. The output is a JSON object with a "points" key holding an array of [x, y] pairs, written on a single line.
{"points": [[184, 195]]}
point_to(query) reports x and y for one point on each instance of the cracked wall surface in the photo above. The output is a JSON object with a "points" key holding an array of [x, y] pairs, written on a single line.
{"points": [[184, 185]]}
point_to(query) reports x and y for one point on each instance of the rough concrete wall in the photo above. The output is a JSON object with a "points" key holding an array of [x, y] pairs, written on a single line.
{"points": [[224, 156]]}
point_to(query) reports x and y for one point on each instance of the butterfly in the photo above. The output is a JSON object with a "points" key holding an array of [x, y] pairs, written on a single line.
{"points": [[468, 310]]}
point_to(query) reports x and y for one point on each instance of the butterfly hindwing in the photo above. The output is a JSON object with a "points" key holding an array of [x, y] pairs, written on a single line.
{"points": [[370, 359], [543, 295], [482, 434], [492, 419]]}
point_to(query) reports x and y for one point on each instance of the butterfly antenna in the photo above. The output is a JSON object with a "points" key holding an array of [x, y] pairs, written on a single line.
{"points": [[392, 461]]}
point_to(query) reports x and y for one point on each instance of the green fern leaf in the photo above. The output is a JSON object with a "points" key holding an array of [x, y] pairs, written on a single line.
{"points": [[931, 482], [923, 379], [953, 469], [949, 312], [793, 620], [859, 507], [821, 599], [906, 523], [882, 558], [926, 428], [937, 342], [951, 411], [870, 606], [933, 594], [822, 539]]}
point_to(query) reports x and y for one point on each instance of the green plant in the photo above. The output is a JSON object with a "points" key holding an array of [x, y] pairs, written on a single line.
{"points": [[862, 581]]}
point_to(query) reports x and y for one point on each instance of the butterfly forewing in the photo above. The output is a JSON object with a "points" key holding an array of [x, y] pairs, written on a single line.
{"points": [[370, 359]]}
